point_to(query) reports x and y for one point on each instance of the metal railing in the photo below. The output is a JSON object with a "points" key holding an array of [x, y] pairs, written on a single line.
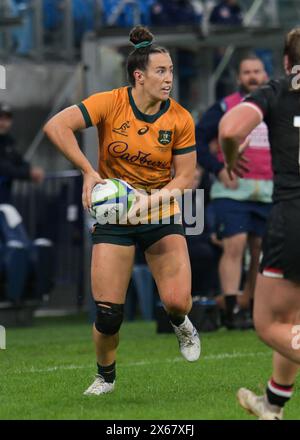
{"points": [[61, 99]]}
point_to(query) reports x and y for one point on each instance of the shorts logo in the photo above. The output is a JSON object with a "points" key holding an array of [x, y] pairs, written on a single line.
{"points": [[122, 129], [164, 136]]}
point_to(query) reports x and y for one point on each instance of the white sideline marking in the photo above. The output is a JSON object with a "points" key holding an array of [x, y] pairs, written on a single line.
{"points": [[213, 357]]}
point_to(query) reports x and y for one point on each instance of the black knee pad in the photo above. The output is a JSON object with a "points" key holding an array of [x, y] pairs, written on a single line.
{"points": [[109, 317]]}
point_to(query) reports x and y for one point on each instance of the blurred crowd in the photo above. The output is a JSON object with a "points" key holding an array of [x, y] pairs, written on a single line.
{"points": [[220, 250], [89, 15]]}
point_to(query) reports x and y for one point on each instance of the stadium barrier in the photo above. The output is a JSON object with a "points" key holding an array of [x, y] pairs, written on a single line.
{"points": [[53, 210]]}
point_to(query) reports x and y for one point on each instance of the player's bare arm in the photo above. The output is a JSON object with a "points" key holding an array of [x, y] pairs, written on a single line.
{"points": [[234, 128], [184, 169], [60, 129]]}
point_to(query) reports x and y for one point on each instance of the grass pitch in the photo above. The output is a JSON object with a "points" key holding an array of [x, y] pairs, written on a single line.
{"points": [[45, 370]]}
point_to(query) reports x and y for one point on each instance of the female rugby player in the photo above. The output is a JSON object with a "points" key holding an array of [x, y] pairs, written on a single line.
{"points": [[142, 134], [277, 294]]}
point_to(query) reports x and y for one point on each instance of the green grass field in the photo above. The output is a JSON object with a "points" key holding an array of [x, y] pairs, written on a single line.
{"points": [[45, 370]]}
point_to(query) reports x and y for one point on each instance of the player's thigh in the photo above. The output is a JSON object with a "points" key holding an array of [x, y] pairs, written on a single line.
{"points": [[276, 300], [169, 262], [111, 271]]}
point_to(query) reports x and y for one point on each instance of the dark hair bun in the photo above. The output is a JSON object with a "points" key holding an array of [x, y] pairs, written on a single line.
{"points": [[139, 34]]}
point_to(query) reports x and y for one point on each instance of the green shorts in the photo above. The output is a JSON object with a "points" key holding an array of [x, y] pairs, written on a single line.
{"points": [[144, 235]]}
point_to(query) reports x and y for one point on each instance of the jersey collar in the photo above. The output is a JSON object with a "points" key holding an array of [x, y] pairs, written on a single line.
{"points": [[147, 118]]}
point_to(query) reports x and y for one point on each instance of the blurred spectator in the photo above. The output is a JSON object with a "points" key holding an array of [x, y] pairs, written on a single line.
{"points": [[126, 13], [53, 20], [227, 12], [176, 12], [25, 272], [12, 165], [241, 206], [83, 15], [52, 13], [23, 35], [204, 255]]}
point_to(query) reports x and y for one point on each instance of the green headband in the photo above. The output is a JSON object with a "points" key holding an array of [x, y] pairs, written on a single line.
{"points": [[142, 44]]}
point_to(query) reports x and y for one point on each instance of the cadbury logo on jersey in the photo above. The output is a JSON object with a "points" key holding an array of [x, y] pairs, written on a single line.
{"points": [[164, 136], [122, 129], [119, 149]]}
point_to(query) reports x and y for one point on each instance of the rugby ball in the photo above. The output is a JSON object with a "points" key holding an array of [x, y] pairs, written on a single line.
{"points": [[112, 201]]}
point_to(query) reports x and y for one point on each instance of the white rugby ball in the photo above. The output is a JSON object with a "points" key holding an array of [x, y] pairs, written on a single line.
{"points": [[111, 201]]}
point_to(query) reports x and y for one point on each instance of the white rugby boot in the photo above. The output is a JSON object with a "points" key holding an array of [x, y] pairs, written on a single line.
{"points": [[189, 341], [99, 386], [258, 405]]}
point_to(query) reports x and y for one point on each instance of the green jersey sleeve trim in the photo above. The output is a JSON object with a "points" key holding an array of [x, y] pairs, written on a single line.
{"points": [[184, 150], [85, 115]]}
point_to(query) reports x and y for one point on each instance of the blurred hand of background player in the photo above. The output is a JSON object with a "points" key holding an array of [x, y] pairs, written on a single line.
{"points": [[238, 165], [90, 179], [37, 174], [230, 183]]}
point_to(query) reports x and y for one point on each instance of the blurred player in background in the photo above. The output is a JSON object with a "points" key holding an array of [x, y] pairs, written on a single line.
{"points": [[277, 293], [241, 206], [12, 164], [142, 133]]}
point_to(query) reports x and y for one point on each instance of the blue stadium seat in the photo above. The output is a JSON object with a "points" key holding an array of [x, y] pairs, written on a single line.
{"points": [[22, 35], [126, 17], [15, 253], [16, 262], [166, 13], [27, 267], [83, 15], [53, 14]]}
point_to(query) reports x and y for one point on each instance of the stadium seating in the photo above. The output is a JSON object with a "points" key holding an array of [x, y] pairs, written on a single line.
{"points": [[166, 13], [53, 14], [126, 13], [83, 16], [25, 266], [89, 15]]}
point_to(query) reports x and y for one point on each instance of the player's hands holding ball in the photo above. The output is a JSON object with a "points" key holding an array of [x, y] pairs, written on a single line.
{"points": [[90, 179], [140, 206]]}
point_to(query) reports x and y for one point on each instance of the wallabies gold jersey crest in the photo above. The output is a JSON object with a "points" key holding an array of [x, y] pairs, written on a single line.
{"points": [[164, 136]]}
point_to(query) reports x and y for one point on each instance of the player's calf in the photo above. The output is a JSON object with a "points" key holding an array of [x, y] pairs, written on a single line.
{"points": [[108, 322]]}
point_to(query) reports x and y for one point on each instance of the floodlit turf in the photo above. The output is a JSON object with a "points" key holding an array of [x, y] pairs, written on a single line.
{"points": [[45, 370]]}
